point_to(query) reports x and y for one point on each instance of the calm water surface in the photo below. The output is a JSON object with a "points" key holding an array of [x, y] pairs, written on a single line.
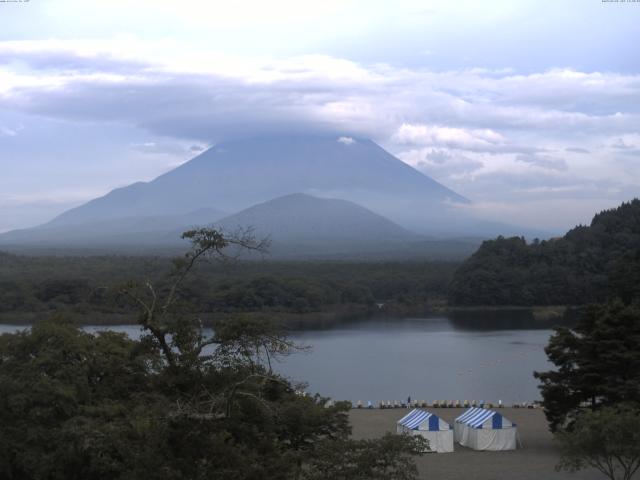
{"points": [[435, 358], [426, 358]]}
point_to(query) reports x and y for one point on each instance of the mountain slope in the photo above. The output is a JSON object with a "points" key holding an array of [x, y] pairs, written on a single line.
{"points": [[301, 226], [303, 219], [111, 232], [235, 175]]}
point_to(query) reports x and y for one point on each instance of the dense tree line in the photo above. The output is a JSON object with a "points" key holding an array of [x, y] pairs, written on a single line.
{"points": [[589, 264], [86, 284]]}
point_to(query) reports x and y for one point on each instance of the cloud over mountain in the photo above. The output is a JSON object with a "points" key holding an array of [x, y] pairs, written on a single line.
{"points": [[483, 123]]}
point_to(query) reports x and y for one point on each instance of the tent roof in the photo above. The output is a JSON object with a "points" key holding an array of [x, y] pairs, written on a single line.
{"points": [[416, 417], [472, 411], [476, 417]]}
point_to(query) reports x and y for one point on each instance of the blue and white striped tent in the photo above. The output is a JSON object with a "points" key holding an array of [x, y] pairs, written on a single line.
{"points": [[483, 429], [430, 426]]}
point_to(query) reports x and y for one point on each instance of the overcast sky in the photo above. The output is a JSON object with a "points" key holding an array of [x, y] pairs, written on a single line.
{"points": [[529, 108]]}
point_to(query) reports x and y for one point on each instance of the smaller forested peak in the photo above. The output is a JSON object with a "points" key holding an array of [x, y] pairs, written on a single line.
{"points": [[589, 263]]}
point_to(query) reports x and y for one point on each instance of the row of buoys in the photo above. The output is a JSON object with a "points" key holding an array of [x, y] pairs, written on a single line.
{"points": [[436, 404]]}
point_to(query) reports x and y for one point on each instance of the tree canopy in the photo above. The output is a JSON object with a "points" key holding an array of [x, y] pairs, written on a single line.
{"points": [[34, 287], [175, 404], [597, 363], [607, 440], [589, 264]]}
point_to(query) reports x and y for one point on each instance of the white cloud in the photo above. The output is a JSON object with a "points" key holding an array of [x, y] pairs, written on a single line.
{"points": [[543, 161], [346, 140], [418, 134], [442, 164], [179, 149], [474, 107]]}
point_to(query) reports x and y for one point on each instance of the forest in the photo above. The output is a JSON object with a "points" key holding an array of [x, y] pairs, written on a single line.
{"points": [[33, 286], [587, 265]]}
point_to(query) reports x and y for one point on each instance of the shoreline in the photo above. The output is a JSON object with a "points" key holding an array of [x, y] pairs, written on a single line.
{"points": [[536, 459], [545, 315]]}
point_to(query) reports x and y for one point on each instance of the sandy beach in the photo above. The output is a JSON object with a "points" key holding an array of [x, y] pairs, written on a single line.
{"points": [[535, 461]]}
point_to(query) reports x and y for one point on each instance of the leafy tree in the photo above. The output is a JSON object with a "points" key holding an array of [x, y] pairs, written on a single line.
{"points": [[607, 440], [598, 363], [65, 395], [388, 457], [177, 403]]}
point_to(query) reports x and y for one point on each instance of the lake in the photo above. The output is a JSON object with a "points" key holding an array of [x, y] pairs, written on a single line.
{"points": [[430, 358], [426, 358]]}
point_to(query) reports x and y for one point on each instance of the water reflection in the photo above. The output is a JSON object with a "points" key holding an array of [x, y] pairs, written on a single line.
{"points": [[504, 319], [463, 319]]}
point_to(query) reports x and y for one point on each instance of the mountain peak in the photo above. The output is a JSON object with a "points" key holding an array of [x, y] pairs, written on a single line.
{"points": [[240, 173], [318, 223], [234, 175]]}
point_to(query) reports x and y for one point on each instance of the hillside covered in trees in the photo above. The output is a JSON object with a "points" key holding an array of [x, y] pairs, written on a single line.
{"points": [[589, 264]]}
